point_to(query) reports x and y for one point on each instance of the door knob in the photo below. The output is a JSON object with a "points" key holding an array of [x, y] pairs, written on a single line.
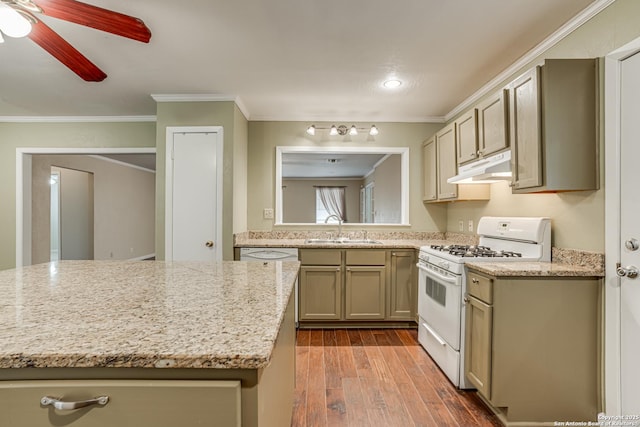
{"points": [[631, 272], [209, 243], [632, 244]]}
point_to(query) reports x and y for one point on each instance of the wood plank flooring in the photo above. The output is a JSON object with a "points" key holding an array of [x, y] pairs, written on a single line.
{"points": [[377, 377]]}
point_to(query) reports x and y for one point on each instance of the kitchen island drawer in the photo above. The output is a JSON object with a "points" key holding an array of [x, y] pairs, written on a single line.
{"points": [[480, 287], [131, 403], [321, 256]]}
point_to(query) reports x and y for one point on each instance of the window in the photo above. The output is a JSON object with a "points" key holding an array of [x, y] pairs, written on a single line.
{"points": [[330, 201]]}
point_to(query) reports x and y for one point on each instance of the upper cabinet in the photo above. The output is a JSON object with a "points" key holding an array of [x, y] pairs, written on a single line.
{"points": [[483, 130], [467, 136], [439, 164], [553, 118], [429, 171], [493, 124], [446, 162]]}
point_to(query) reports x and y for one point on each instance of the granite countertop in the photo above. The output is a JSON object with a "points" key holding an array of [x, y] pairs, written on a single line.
{"points": [[302, 243], [534, 269], [145, 314]]}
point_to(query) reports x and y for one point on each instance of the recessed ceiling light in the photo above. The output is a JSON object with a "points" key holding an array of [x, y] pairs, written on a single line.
{"points": [[392, 84]]}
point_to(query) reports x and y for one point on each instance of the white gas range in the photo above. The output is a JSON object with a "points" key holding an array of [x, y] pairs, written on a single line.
{"points": [[442, 282]]}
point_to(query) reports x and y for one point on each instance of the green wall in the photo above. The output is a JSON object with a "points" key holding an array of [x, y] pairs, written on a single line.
{"points": [[74, 135]]}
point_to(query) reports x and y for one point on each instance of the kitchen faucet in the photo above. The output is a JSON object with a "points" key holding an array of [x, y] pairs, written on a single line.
{"points": [[339, 223]]}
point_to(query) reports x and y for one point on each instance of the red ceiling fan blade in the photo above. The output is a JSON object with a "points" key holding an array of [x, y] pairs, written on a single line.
{"points": [[96, 17], [59, 48]]}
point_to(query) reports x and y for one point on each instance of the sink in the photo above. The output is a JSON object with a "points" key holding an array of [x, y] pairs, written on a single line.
{"points": [[343, 241]]}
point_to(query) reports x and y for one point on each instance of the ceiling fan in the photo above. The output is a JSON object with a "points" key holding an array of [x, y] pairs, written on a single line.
{"points": [[18, 18]]}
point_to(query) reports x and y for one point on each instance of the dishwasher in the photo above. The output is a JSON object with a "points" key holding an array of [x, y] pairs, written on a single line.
{"points": [[273, 254]]}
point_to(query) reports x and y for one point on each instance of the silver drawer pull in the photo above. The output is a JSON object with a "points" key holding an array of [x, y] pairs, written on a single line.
{"points": [[67, 406]]}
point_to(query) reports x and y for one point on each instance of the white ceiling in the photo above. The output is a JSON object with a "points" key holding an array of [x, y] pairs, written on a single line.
{"points": [[286, 59], [328, 165]]}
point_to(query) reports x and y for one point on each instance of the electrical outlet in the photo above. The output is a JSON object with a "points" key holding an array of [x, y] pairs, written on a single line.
{"points": [[470, 225], [461, 225], [267, 213]]}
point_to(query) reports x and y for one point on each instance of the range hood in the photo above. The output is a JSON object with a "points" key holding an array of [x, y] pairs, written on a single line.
{"points": [[491, 169]]}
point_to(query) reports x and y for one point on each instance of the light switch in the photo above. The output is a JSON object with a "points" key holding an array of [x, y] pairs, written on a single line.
{"points": [[461, 225], [267, 213], [470, 226]]}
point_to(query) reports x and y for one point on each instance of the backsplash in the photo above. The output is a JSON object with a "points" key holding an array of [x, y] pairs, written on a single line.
{"points": [[357, 234]]}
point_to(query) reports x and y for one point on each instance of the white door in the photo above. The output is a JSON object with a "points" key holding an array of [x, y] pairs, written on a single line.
{"points": [[630, 233], [193, 231]]}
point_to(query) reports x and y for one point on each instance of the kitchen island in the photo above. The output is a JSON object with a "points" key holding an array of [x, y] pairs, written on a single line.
{"points": [[182, 343]]}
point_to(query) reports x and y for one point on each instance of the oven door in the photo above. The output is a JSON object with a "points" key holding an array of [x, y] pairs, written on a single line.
{"points": [[440, 304]]}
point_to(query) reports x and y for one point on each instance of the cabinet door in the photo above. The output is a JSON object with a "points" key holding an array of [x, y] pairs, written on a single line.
{"points": [[493, 119], [467, 136], [320, 293], [478, 337], [429, 171], [365, 293], [403, 286], [131, 403], [524, 108], [446, 155]]}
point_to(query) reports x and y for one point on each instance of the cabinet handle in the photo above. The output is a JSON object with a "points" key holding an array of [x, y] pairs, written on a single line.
{"points": [[474, 280], [67, 406]]}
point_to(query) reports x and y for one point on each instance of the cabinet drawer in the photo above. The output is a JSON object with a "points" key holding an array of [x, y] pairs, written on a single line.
{"points": [[366, 257], [321, 257], [132, 403], [480, 287]]}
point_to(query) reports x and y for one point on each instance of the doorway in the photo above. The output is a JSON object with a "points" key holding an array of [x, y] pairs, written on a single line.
{"points": [[24, 156], [622, 294], [71, 219]]}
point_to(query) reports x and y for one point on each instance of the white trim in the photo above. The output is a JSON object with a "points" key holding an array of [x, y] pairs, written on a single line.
{"points": [[612, 354], [202, 97], [577, 21], [23, 243], [403, 151], [76, 119], [118, 162], [168, 214], [341, 119]]}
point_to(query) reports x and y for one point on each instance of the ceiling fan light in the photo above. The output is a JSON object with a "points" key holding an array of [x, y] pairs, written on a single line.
{"points": [[12, 23], [353, 131], [373, 130], [311, 130], [333, 131]]}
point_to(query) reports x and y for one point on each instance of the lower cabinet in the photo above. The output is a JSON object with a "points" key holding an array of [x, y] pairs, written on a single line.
{"points": [[357, 285], [532, 346], [365, 293], [320, 292], [129, 403]]}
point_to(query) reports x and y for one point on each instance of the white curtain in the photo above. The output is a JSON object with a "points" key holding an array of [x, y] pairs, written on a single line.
{"points": [[334, 201]]}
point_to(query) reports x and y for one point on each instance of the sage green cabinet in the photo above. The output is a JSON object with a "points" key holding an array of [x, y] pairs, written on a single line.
{"points": [[365, 293], [439, 164], [403, 285], [493, 124], [361, 284], [532, 346], [429, 171], [320, 283], [446, 162], [467, 136], [553, 126]]}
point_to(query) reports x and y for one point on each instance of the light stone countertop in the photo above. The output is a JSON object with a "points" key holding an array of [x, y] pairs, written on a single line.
{"points": [[301, 243], [149, 314], [534, 269]]}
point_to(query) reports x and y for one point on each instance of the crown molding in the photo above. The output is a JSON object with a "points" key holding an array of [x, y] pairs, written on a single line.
{"points": [[76, 119], [573, 24], [341, 119], [202, 97]]}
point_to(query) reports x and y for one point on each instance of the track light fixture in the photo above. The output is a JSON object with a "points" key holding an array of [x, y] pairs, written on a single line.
{"points": [[343, 130]]}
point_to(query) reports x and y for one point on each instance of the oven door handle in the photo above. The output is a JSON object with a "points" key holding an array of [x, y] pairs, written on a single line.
{"points": [[438, 276]]}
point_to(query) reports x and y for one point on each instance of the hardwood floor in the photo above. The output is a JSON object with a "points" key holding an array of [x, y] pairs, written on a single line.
{"points": [[376, 377]]}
